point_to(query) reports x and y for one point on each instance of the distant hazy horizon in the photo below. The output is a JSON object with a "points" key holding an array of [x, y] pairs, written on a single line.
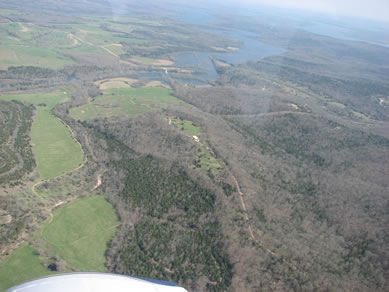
{"points": [[373, 9]]}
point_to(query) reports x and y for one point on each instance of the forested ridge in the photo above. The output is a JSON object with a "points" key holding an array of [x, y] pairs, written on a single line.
{"points": [[178, 236], [16, 154]]}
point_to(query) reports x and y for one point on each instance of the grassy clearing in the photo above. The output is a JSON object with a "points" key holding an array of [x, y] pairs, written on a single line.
{"points": [[7, 12], [205, 158], [121, 82], [207, 161], [22, 265], [79, 232], [118, 50], [156, 62], [187, 127], [114, 84], [146, 60], [125, 101], [55, 150], [360, 115], [337, 104]]}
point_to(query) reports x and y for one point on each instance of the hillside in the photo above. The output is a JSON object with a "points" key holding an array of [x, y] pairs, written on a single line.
{"points": [[220, 153]]}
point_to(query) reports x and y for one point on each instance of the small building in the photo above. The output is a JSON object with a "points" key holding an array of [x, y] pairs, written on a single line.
{"points": [[196, 138]]}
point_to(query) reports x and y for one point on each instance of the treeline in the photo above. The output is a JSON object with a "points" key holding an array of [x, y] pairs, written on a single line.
{"points": [[15, 150], [358, 94], [28, 77], [170, 39]]}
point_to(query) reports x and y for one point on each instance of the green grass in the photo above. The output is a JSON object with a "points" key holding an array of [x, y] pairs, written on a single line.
{"points": [[360, 115], [55, 150], [55, 39], [19, 55], [146, 60], [8, 12], [93, 33], [187, 127], [134, 20], [125, 101], [38, 46], [86, 49], [21, 265], [118, 50], [79, 232], [337, 104], [207, 161]]}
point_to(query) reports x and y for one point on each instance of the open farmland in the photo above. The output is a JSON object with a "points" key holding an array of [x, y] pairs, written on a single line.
{"points": [[125, 101], [25, 44], [55, 150], [79, 232], [32, 45]]}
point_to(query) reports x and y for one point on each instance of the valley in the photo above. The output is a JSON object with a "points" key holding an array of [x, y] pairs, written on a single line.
{"points": [[218, 152]]}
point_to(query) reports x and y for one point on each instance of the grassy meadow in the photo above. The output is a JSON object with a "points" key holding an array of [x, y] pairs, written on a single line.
{"points": [[22, 265], [55, 150], [125, 101], [207, 161], [187, 127], [12, 55], [79, 232], [145, 59]]}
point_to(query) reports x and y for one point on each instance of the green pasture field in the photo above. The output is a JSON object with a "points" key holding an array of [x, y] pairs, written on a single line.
{"points": [[55, 150], [22, 265], [146, 60], [34, 46], [96, 35], [125, 101], [187, 127], [79, 232], [118, 50], [56, 40], [19, 55], [132, 20], [7, 12], [85, 49]]}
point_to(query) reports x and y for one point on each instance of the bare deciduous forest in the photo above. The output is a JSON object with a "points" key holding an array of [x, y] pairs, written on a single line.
{"points": [[283, 188]]}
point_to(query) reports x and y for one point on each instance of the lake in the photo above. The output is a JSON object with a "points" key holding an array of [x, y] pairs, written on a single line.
{"points": [[201, 63]]}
